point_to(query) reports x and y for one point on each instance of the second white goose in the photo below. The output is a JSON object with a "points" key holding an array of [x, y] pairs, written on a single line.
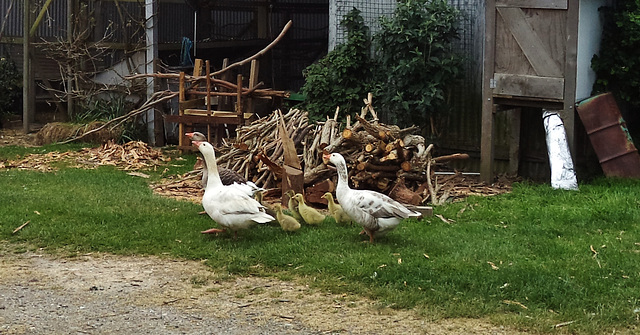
{"points": [[375, 212]]}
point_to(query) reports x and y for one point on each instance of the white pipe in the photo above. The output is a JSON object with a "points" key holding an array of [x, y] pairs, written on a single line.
{"points": [[563, 175]]}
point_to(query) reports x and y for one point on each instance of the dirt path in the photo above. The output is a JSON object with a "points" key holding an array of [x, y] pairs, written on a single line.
{"points": [[100, 293]]}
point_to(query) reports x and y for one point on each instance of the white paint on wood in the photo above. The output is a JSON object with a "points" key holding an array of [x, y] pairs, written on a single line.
{"points": [[590, 26], [151, 30]]}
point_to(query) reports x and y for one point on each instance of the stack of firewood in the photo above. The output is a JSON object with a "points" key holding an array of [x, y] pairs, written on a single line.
{"points": [[257, 151], [381, 157]]}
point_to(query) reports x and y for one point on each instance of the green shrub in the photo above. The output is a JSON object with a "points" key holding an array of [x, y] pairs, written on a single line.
{"points": [[11, 88], [341, 78], [618, 65], [408, 75], [416, 61]]}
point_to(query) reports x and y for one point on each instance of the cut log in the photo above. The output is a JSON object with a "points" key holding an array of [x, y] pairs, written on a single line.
{"points": [[447, 158], [366, 166], [273, 167], [402, 194], [327, 130], [313, 194], [313, 175], [375, 130], [405, 166]]}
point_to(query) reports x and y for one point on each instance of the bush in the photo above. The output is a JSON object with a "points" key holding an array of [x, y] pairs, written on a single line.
{"points": [[618, 65], [342, 77], [416, 60], [11, 88], [408, 75]]}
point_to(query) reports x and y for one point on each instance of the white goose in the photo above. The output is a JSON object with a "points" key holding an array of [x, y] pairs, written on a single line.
{"points": [[375, 212], [228, 205]]}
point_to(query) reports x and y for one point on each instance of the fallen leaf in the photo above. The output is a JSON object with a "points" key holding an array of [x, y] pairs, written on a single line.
{"points": [[139, 174], [511, 302], [493, 266], [443, 219]]}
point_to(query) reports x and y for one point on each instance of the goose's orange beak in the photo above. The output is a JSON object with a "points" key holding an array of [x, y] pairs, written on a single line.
{"points": [[326, 157]]}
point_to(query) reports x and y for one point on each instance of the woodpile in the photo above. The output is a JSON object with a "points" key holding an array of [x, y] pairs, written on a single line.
{"points": [[385, 158], [257, 152]]}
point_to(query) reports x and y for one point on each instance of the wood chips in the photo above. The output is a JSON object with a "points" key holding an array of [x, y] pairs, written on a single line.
{"points": [[129, 156]]}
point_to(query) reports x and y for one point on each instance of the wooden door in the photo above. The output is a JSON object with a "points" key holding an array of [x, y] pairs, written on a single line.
{"points": [[530, 49], [529, 60]]}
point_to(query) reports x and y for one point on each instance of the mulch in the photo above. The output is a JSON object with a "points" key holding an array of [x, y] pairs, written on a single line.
{"points": [[137, 156]]}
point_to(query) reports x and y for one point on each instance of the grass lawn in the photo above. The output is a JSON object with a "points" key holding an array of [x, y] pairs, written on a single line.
{"points": [[530, 259]]}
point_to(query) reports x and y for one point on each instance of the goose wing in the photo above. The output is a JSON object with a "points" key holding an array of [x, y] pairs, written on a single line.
{"points": [[379, 205], [230, 201]]}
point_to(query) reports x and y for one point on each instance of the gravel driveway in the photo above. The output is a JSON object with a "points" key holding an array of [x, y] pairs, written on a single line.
{"points": [[109, 294]]}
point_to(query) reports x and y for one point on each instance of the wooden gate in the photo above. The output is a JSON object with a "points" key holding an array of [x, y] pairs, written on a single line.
{"points": [[529, 61]]}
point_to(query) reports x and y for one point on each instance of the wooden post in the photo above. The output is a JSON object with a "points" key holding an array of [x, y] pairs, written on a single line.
{"points": [[486, 139], [570, 73], [514, 116], [239, 97], [151, 30], [27, 71], [253, 81], [181, 99], [207, 99], [224, 103], [70, 14]]}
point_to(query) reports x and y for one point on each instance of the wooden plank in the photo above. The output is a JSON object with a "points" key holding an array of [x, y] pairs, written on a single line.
{"points": [[253, 81], [204, 112], [514, 140], [205, 119], [239, 105], [509, 102], [181, 97], [225, 102], [290, 153], [486, 138], [568, 114], [208, 96], [530, 43], [538, 4], [190, 104], [529, 86]]}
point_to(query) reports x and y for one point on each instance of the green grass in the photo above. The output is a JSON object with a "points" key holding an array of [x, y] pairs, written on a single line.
{"points": [[538, 239]]}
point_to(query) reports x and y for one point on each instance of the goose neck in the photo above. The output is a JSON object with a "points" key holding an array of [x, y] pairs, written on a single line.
{"points": [[212, 170]]}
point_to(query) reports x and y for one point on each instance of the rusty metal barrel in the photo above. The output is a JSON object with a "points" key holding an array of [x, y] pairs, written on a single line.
{"points": [[609, 136]]}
